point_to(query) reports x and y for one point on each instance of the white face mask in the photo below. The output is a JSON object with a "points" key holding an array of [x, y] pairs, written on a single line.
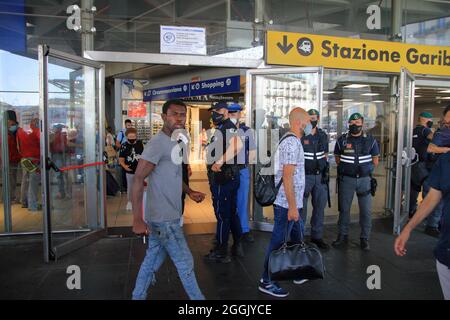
{"points": [[234, 120]]}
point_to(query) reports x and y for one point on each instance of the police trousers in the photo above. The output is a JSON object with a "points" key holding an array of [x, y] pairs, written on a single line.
{"points": [[348, 186], [224, 198], [318, 192]]}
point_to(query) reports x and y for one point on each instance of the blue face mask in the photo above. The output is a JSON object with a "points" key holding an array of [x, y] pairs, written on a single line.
{"points": [[13, 128], [308, 129]]}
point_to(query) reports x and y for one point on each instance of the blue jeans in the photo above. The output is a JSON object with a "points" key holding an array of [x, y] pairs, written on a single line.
{"points": [[167, 238], [242, 199], [280, 227]]}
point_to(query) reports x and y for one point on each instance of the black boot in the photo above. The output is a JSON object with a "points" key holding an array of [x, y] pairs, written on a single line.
{"points": [[320, 244], [432, 231], [365, 244], [237, 250], [219, 254], [341, 241]]}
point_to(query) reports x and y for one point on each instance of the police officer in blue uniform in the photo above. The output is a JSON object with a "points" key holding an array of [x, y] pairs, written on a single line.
{"points": [[422, 136], [436, 148], [244, 158], [315, 146], [439, 181], [223, 176], [356, 156]]}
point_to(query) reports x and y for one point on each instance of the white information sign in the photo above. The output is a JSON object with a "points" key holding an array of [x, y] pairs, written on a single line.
{"points": [[183, 40]]}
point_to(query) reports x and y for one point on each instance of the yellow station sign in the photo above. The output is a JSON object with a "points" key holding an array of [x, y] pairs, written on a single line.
{"points": [[298, 49]]}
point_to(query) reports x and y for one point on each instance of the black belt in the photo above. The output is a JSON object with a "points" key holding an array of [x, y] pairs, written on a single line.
{"points": [[356, 175], [242, 166], [313, 172]]}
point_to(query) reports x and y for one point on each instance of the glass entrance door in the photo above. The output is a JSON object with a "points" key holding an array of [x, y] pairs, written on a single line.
{"points": [[405, 153], [271, 95], [72, 143]]}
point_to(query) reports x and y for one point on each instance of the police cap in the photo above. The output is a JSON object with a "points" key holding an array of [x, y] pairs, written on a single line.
{"points": [[355, 116], [313, 112]]}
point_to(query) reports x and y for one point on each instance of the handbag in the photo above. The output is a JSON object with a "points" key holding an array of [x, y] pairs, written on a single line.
{"points": [[295, 261]]}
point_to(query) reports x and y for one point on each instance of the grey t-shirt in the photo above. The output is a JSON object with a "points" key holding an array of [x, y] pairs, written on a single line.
{"points": [[290, 151], [165, 182]]}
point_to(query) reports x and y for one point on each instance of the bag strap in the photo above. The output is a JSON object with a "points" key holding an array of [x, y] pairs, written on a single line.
{"points": [[290, 226], [287, 135]]}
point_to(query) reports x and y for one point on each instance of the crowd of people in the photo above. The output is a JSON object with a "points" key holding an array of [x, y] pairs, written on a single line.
{"points": [[300, 168]]}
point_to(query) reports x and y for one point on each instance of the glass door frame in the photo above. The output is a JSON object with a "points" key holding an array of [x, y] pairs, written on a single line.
{"points": [[54, 252], [259, 225], [404, 150]]}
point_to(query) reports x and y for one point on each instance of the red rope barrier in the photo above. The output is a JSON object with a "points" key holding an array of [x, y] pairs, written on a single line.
{"points": [[82, 166]]}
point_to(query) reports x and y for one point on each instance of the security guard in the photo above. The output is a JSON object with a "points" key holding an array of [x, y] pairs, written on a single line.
{"points": [[422, 136], [316, 149], [356, 155], [244, 158], [223, 176]]}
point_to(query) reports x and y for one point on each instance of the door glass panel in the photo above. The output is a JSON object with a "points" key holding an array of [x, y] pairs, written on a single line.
{"points": [[273, 97], [404, 156], [347, 92], [19, 93], [73, 136]]}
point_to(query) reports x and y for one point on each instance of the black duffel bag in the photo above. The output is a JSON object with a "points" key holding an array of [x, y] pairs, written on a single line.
{"points": [[295, 262]]}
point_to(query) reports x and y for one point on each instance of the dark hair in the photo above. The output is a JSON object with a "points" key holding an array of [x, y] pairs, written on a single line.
{"points": [[168, 103], [128, 121], [131, 130], [447, 109]]}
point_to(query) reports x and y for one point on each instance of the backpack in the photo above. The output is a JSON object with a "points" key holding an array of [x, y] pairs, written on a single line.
{"points": [[265, 190]]}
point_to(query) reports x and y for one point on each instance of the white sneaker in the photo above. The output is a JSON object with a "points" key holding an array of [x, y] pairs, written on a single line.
{"points": [[129, 207], [302, 281]]}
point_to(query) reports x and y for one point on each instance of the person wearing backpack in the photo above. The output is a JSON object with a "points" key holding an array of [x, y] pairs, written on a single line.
{"points": [[289, 166], [28, 144]]}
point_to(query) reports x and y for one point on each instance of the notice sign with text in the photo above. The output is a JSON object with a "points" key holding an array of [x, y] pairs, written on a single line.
{"points": [[297, 49], [183, 40]]}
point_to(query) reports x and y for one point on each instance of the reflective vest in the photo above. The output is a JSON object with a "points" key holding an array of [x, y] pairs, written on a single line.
{"points": [[356, 155], [316, 149]]}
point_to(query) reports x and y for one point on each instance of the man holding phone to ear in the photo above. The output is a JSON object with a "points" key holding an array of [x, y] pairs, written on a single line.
{"points": [[163, 212]]}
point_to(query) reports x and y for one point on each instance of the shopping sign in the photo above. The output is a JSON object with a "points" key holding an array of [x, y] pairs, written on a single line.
{"points": [[193, 89], [299, 49]]}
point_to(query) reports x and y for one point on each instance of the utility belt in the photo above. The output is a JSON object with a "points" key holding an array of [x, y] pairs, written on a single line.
{"points": [[227, 174], [373, 184], [356, 175], [313, 172]]}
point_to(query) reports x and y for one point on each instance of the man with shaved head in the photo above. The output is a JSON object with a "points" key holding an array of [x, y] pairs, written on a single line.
{"points": [[290, 168]]}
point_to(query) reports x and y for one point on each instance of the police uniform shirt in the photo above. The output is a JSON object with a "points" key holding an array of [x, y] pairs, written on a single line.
{"points": [[225, 131], [356, 154], [249, 144], [421, 142], [440, 180], [316, 149]]}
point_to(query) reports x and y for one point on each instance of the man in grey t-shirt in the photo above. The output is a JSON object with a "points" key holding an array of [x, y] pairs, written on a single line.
{"points": [[160, 161]]}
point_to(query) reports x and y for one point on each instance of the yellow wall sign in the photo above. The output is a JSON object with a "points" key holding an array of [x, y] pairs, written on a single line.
{"points": [[298, 49]]}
